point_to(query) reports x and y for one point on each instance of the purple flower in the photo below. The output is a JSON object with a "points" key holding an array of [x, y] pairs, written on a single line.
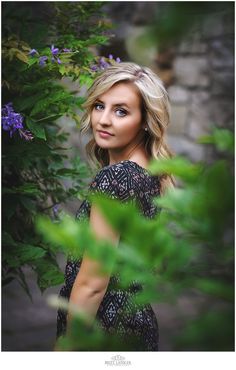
{"points": [[103, 64], [56, 211], [111, 58], [42, 60], [33, 52], [94, 68], [54, 51], [12, 122], [56, 60], [26, 134], [66, 50]]}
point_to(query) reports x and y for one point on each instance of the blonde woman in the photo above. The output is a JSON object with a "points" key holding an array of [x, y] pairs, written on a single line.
{"points": [[127, 110]]}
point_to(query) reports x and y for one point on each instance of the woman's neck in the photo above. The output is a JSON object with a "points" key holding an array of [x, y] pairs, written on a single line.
{"points": [[137, 154]]}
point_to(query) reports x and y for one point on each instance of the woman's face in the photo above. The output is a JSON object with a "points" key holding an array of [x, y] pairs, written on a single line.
{"points": [[117, 118]]}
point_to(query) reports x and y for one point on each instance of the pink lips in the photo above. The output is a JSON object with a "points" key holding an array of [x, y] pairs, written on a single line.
{"points": [[104, 134]]}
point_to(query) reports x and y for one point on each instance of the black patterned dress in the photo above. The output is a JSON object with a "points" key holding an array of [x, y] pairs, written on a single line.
{"points": [[118, 313]]}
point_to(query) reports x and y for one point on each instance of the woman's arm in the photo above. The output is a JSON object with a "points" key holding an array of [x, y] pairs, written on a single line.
{"points": [[91, 284]]}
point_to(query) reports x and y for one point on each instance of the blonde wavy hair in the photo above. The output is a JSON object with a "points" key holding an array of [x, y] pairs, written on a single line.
{"points": [[155, 112]]}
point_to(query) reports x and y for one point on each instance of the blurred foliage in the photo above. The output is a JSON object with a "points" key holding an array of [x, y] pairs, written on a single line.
{"points": [[42, 43], [188, 247], [173, 20], [221, 138]]}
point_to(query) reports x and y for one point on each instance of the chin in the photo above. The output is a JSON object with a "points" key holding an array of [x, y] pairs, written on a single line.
{"points": [[104, 146], [102, 143]]}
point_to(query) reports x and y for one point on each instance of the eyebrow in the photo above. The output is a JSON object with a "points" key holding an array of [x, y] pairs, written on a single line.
{"points": [[114, 105]]}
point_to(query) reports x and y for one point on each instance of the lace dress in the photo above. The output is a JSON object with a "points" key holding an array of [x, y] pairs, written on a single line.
{"points": [[118, 313]]}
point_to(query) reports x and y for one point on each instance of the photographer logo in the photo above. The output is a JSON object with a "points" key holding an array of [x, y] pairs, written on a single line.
{"points": [[118, 360]]}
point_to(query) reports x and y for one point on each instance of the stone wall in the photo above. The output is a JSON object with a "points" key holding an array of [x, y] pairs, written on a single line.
{"points": [[198, 72], [202, 94]]}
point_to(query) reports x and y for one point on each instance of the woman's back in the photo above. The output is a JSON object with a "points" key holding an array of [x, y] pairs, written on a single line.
{"points": [[118, 312], [126, 181]]}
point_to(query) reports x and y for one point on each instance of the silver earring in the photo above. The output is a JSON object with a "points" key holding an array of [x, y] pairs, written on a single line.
{"points": [[146, 129]]}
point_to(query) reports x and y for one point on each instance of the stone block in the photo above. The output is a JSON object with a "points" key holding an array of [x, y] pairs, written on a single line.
{"points": [[178, 94], [221, 53], [223, 83], [185, 147], [198, 126], [199, 97], [199, 121], [192, 71], [218, 24], [222, 112], [212, 27], [178, 119], [192, 46]]}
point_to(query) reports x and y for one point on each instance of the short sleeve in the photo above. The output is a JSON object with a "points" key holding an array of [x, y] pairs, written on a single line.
{"points": [[114, 181]]}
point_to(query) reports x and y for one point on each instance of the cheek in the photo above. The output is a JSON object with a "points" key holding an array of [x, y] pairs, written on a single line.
{"points": [[93, 119], [130, 126]]}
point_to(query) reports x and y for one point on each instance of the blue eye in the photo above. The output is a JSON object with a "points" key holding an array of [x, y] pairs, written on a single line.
{"points": [[98, 106], [121, 112]]}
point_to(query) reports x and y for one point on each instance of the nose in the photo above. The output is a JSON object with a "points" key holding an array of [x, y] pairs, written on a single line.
{"points": [[105, 118]]}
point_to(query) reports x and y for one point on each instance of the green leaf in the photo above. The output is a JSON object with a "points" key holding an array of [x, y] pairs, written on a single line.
{"points": [[62, 69], [37, 129], [177, 166], [29, 252], [116, 213], [213, 330], [28, 101], [21, 56], [222, 138], [27, 188], [67, 172], [215, 288], [7, 239], [48, 273], [80, 101], [69, 236], [32, 61], [28, 203], [18, 254], [179, 200], [40, 106], [85, 79]]}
